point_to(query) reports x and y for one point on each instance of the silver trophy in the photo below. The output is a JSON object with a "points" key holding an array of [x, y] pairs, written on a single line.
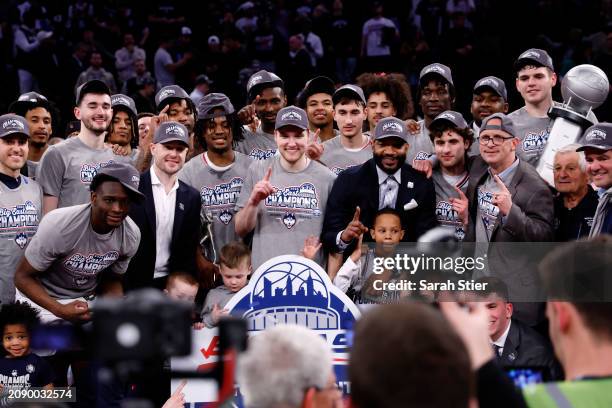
{"points": [[584, 88]]}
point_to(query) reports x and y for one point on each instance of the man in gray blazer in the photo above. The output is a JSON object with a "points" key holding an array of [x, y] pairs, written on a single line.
{"points": [[509, 203]]}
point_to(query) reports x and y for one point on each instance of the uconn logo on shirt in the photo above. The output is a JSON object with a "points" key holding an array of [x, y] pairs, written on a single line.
{"points": [[89, 171], [90, 264], [261, 154], [535, 141]]}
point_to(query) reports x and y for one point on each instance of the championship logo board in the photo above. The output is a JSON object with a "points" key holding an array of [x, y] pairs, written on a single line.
{"points": [[287, 289]]}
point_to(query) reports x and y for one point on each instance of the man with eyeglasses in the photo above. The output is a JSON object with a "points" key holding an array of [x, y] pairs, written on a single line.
{"points": [[508, 202]]}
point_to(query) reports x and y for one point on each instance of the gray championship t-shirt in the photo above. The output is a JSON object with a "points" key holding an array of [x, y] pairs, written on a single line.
{"points": [[219, 190], [286, 218], [259, 145], [532, 133], [66, 170], [420, 145], [71, 255], [20, 213], [338, 158], [446, 216]]}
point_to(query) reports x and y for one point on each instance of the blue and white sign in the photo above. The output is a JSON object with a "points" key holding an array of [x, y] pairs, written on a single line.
{"points": [[288, 289]]}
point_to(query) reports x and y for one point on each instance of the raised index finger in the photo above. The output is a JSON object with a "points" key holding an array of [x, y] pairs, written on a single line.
{"points": [[499, 182], [461, 193], [256, 100], [357, 214], [268, 174], [179, 389]]}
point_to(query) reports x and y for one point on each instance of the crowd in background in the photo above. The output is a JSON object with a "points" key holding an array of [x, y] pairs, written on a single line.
{"points": [[219, 44]]}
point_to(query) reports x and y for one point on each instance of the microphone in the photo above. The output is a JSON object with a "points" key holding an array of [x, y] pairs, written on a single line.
{"points": [[584, 88]]}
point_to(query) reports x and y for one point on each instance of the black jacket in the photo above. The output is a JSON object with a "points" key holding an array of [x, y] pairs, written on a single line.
{"points": [[185, 234], [358, 186], [526, 347]]}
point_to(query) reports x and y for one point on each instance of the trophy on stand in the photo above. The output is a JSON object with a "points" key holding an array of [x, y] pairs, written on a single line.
{"points": [[584, 88]]}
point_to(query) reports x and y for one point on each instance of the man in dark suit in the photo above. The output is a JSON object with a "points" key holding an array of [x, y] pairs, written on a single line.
{"points": [[381, 182], [168, 217], [508, 202], [514, 343]]}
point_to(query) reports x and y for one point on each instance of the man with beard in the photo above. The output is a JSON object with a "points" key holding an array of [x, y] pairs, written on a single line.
{"points": [[20, 201], [36, 109], [122, 130], [436, 94], [283, 199], [384, 181], [67, 169], [316, 100], [168, 216], [489, 97], [265, 98], [218, 173]]}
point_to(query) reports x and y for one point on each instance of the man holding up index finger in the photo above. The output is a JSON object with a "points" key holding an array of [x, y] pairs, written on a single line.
{"points": [[508, 202], [283, 199], [384, 181]]}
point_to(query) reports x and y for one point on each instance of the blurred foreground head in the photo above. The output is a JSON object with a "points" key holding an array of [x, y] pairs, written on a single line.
{"points": [[288, 366], [407, 354]]}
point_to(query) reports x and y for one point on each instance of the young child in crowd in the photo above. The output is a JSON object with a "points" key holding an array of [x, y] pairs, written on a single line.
{"points": [[184, 287], [356, 275], [235, 267], [19, 367]]}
